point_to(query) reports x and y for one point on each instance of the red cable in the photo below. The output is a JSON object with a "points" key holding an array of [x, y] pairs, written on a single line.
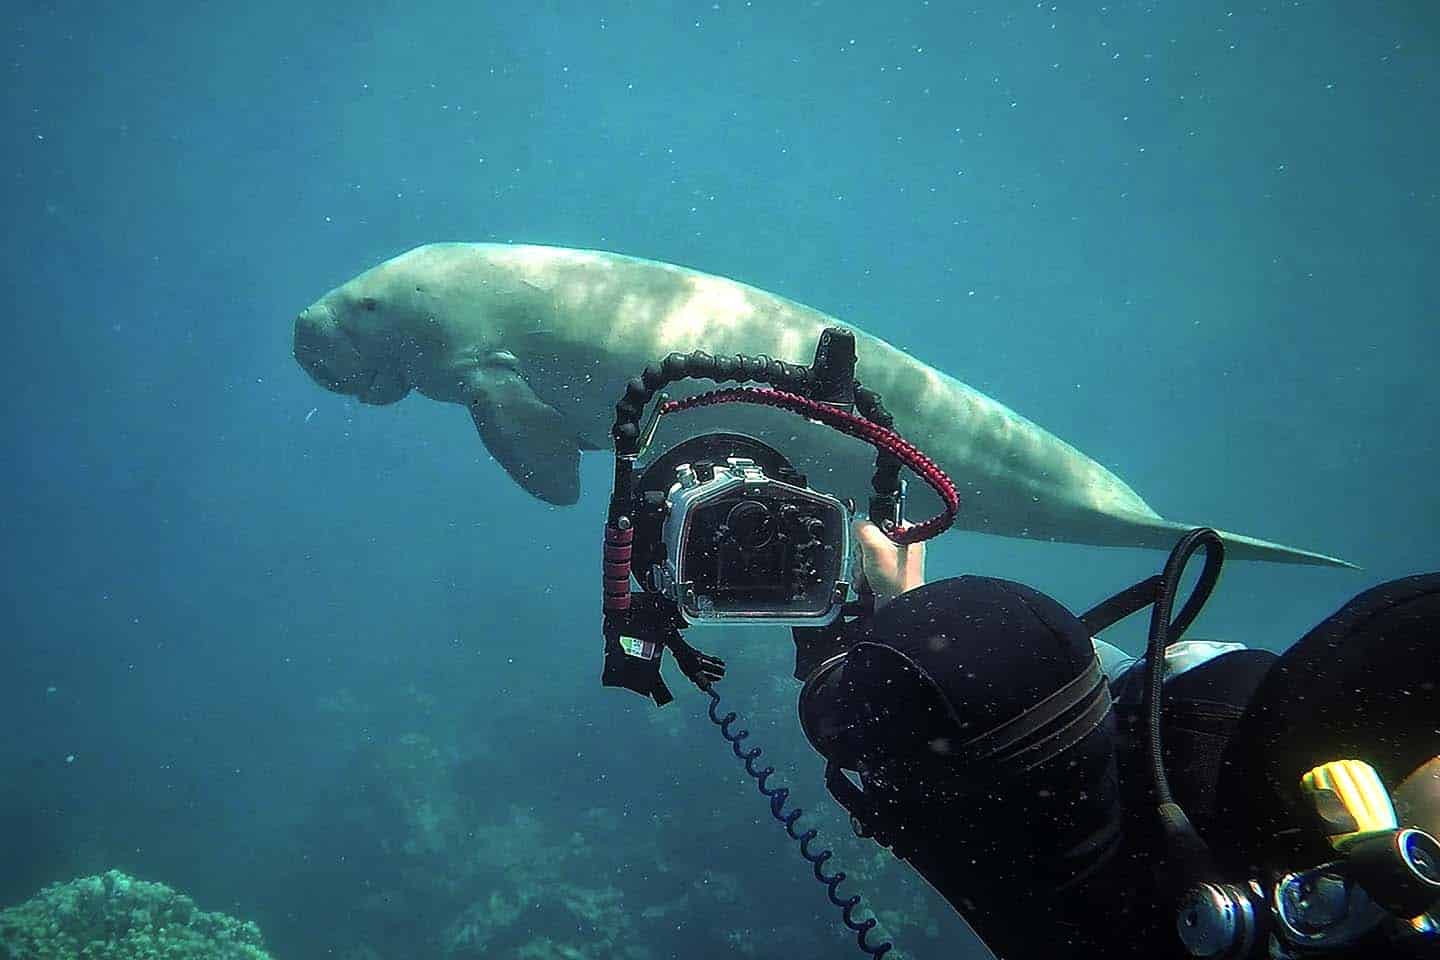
{"points": [[854, 426]]}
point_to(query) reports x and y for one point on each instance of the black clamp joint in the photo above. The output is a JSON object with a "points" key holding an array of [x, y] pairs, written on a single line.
{"points": [[833, 372]]}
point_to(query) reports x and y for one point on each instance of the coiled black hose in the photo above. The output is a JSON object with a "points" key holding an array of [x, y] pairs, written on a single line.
{"points": [[777, 797]]}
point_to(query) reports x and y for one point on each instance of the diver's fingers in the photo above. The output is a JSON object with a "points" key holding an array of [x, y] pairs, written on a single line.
{"points": [[914, 555], [857, 530], [864, 538], [872, 539]]}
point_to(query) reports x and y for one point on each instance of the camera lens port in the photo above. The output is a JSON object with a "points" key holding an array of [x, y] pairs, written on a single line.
{"points": [[750, 524]]}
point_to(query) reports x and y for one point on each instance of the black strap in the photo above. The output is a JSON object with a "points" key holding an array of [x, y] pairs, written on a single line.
{"points": [[1107, 613], [867, 817], [1029, 757], [863, 815], [1038, 733]]}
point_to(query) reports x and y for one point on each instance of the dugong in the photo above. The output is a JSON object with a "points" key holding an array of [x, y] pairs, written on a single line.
{"points": [[538, 342]]}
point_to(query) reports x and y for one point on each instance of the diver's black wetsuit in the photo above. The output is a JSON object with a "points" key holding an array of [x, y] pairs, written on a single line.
{"points": [[993, 760]]}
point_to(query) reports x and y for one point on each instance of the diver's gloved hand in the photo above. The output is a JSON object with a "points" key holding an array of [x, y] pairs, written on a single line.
{"points": [[702, 669], [887, 569], [633, 664]]}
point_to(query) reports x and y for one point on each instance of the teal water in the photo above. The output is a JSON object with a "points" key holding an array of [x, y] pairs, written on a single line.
{"points": [[327, 668]]}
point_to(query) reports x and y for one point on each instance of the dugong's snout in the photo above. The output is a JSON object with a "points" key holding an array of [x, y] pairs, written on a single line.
{"points": [[330, 354], [325, 351]]}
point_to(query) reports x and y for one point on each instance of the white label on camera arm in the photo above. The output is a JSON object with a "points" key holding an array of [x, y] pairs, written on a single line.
{"points": [[640, 649]]}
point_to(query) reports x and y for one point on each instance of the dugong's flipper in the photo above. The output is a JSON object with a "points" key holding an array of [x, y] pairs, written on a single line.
{"points": [[525, 434]]}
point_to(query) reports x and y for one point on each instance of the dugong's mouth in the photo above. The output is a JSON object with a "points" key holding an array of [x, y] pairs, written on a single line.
{"points": [[368, 386], [381, 387], [339, 376]]}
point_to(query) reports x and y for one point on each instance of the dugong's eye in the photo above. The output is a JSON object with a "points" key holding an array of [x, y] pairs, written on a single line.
{"points": [[368, 303]]}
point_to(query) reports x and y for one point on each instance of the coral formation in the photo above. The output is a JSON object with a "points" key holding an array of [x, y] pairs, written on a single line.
{"points": [[533, 888], [116, 917]]}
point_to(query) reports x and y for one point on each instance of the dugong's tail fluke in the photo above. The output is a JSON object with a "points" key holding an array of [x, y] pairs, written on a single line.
{"points": [[1238, 546], [1253, 548]]}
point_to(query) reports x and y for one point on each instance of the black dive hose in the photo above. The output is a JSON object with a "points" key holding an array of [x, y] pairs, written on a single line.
{"points": [[1181, 838]]}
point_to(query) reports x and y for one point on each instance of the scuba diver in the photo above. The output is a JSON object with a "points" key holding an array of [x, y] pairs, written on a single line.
{"points": [[1203, 801], [998, 749]]}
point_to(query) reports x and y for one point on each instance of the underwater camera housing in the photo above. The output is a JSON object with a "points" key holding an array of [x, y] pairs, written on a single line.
{"points": [[731, 533], [722, 529]]}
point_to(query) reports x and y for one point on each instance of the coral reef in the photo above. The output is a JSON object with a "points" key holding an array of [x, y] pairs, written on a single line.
{"points": [[116, 917], [493, 926], [531, 874]]}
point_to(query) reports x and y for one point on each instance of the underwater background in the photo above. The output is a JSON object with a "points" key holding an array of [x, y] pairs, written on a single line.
{"points": [[327, 668]]}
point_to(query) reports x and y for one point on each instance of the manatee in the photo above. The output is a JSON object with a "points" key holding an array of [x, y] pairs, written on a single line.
{"points": [[537, 343]]}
